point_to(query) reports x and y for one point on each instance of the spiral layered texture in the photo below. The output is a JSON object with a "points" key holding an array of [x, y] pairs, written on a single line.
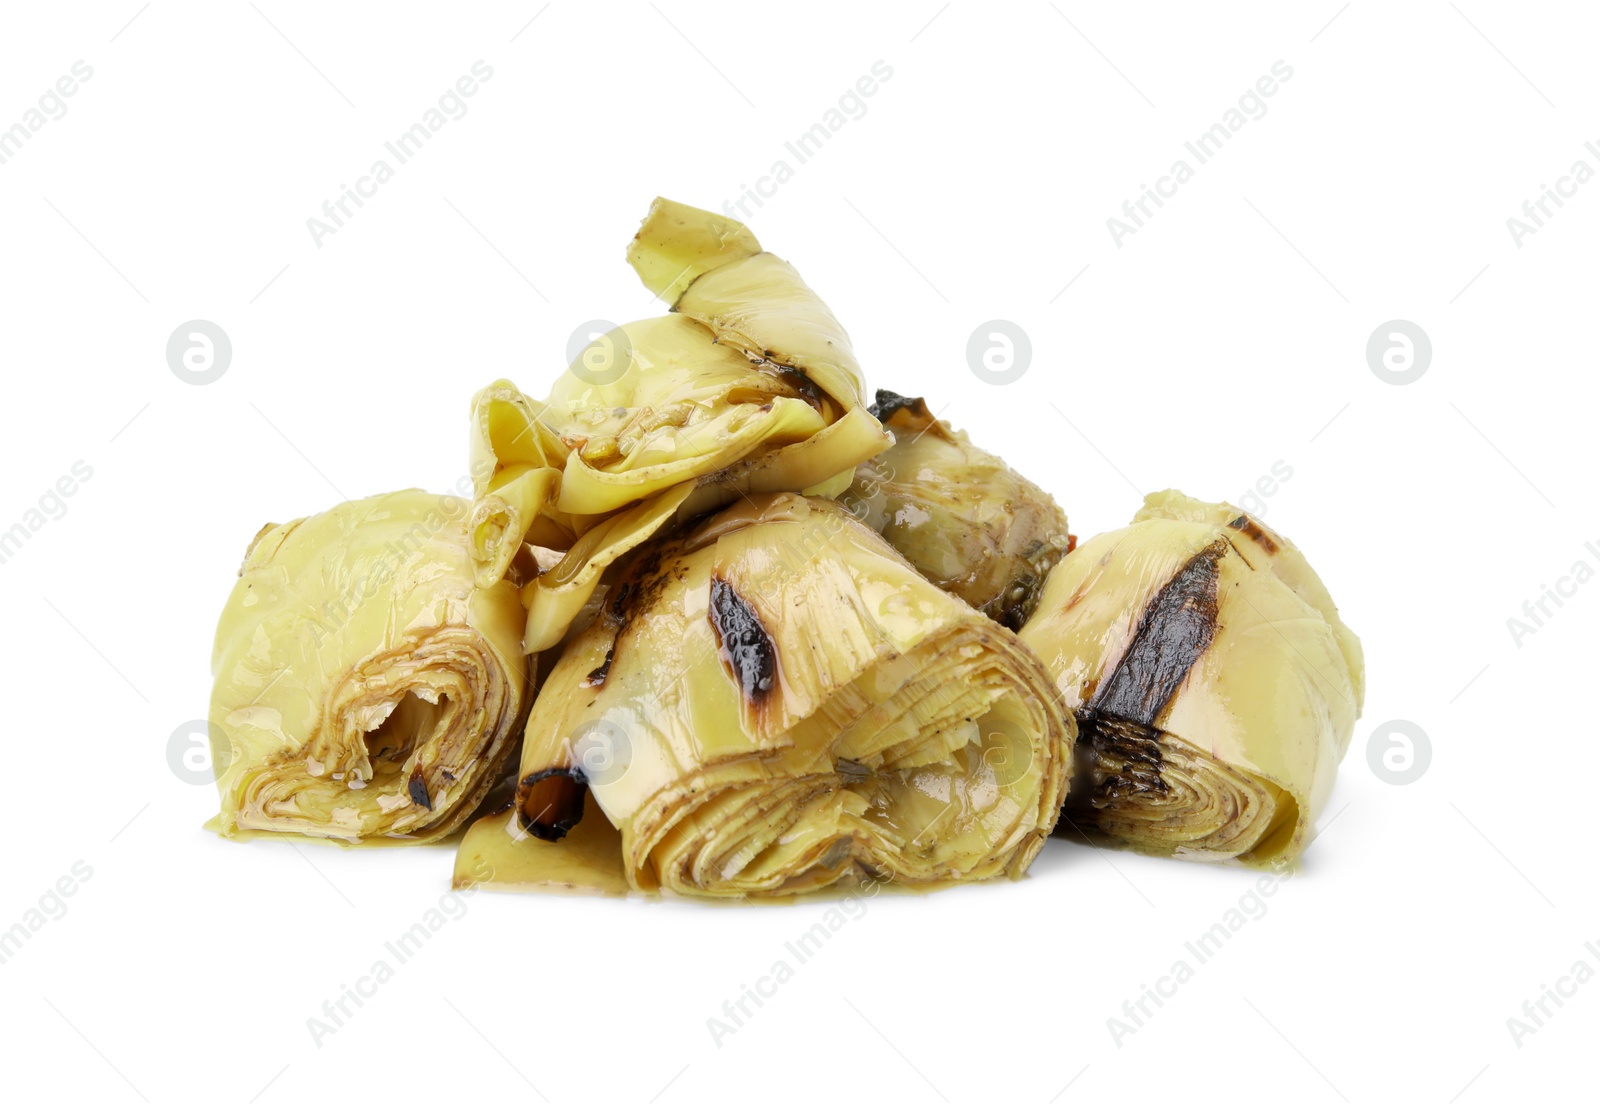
{"points": [[364, 687], [1215, 685], [777, 702]]}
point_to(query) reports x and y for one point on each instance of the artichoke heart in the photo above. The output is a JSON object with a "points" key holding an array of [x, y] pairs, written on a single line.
{"points": [[965, 519], [748, 386], [775, 702], [364, 686], [1214, 684]]}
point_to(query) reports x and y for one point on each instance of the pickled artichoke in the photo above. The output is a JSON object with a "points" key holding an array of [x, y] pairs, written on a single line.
{"points": [[776, 702], [1214, 684], [967, 521], [364, 688], [749, 386]]}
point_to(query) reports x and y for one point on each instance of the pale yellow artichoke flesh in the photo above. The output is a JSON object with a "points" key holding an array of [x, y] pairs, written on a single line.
{"points": [[777, 702], [497, 853], [364, 687], [750, 386], [712, 270], [965, 519], [1215, 685]]}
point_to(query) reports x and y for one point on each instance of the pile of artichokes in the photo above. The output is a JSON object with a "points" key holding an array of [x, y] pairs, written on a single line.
{"points": [[746, 632]]}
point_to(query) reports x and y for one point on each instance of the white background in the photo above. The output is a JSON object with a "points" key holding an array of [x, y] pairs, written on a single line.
{"points": [[1227, 334]]}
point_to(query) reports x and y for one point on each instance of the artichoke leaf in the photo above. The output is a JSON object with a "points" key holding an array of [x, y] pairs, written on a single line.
{"points": [[775, 701], [750, 388], [364, 687], [1215, 686], [676, 243], [965, 519], [749, 299]]}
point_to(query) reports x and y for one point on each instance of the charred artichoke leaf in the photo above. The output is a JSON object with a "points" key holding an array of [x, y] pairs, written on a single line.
{"points": [[776, 702], [1215, 686], [965, 519], [671, 418], [749, 299], [364, 686]]}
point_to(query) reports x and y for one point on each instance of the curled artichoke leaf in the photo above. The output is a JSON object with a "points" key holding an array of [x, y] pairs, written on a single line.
{"points": [[775, 702], [365, 688], [748, 386], [677, 243], [751, 300], [1215, 685], [497, 853]]}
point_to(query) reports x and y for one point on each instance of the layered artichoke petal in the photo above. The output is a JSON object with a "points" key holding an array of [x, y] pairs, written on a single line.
{"points": [[775, 701], [365, 687], [1215, 685], [749, 386], [961, 515]]}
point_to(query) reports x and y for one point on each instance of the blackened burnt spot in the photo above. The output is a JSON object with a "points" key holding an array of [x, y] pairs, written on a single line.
{"points": [[419, 788], [802, 384], [550, 802], [1253, 531], [746, 646], [1119, 758], [1177, 625], [1014, 606], [1129, 756], [597, 675], [618, 607], [637, 587], [641, 579], [891, 402]]}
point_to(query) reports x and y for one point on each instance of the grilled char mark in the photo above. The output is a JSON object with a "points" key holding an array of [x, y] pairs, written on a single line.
{"points": [[891, 402], [1135, 750], [744, 642], [597, 675], [799, 381], [634, 590], [550, 802], [1177, 625], [1252, 530], [418, 788], [1013, 607], [1175, 629]]}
